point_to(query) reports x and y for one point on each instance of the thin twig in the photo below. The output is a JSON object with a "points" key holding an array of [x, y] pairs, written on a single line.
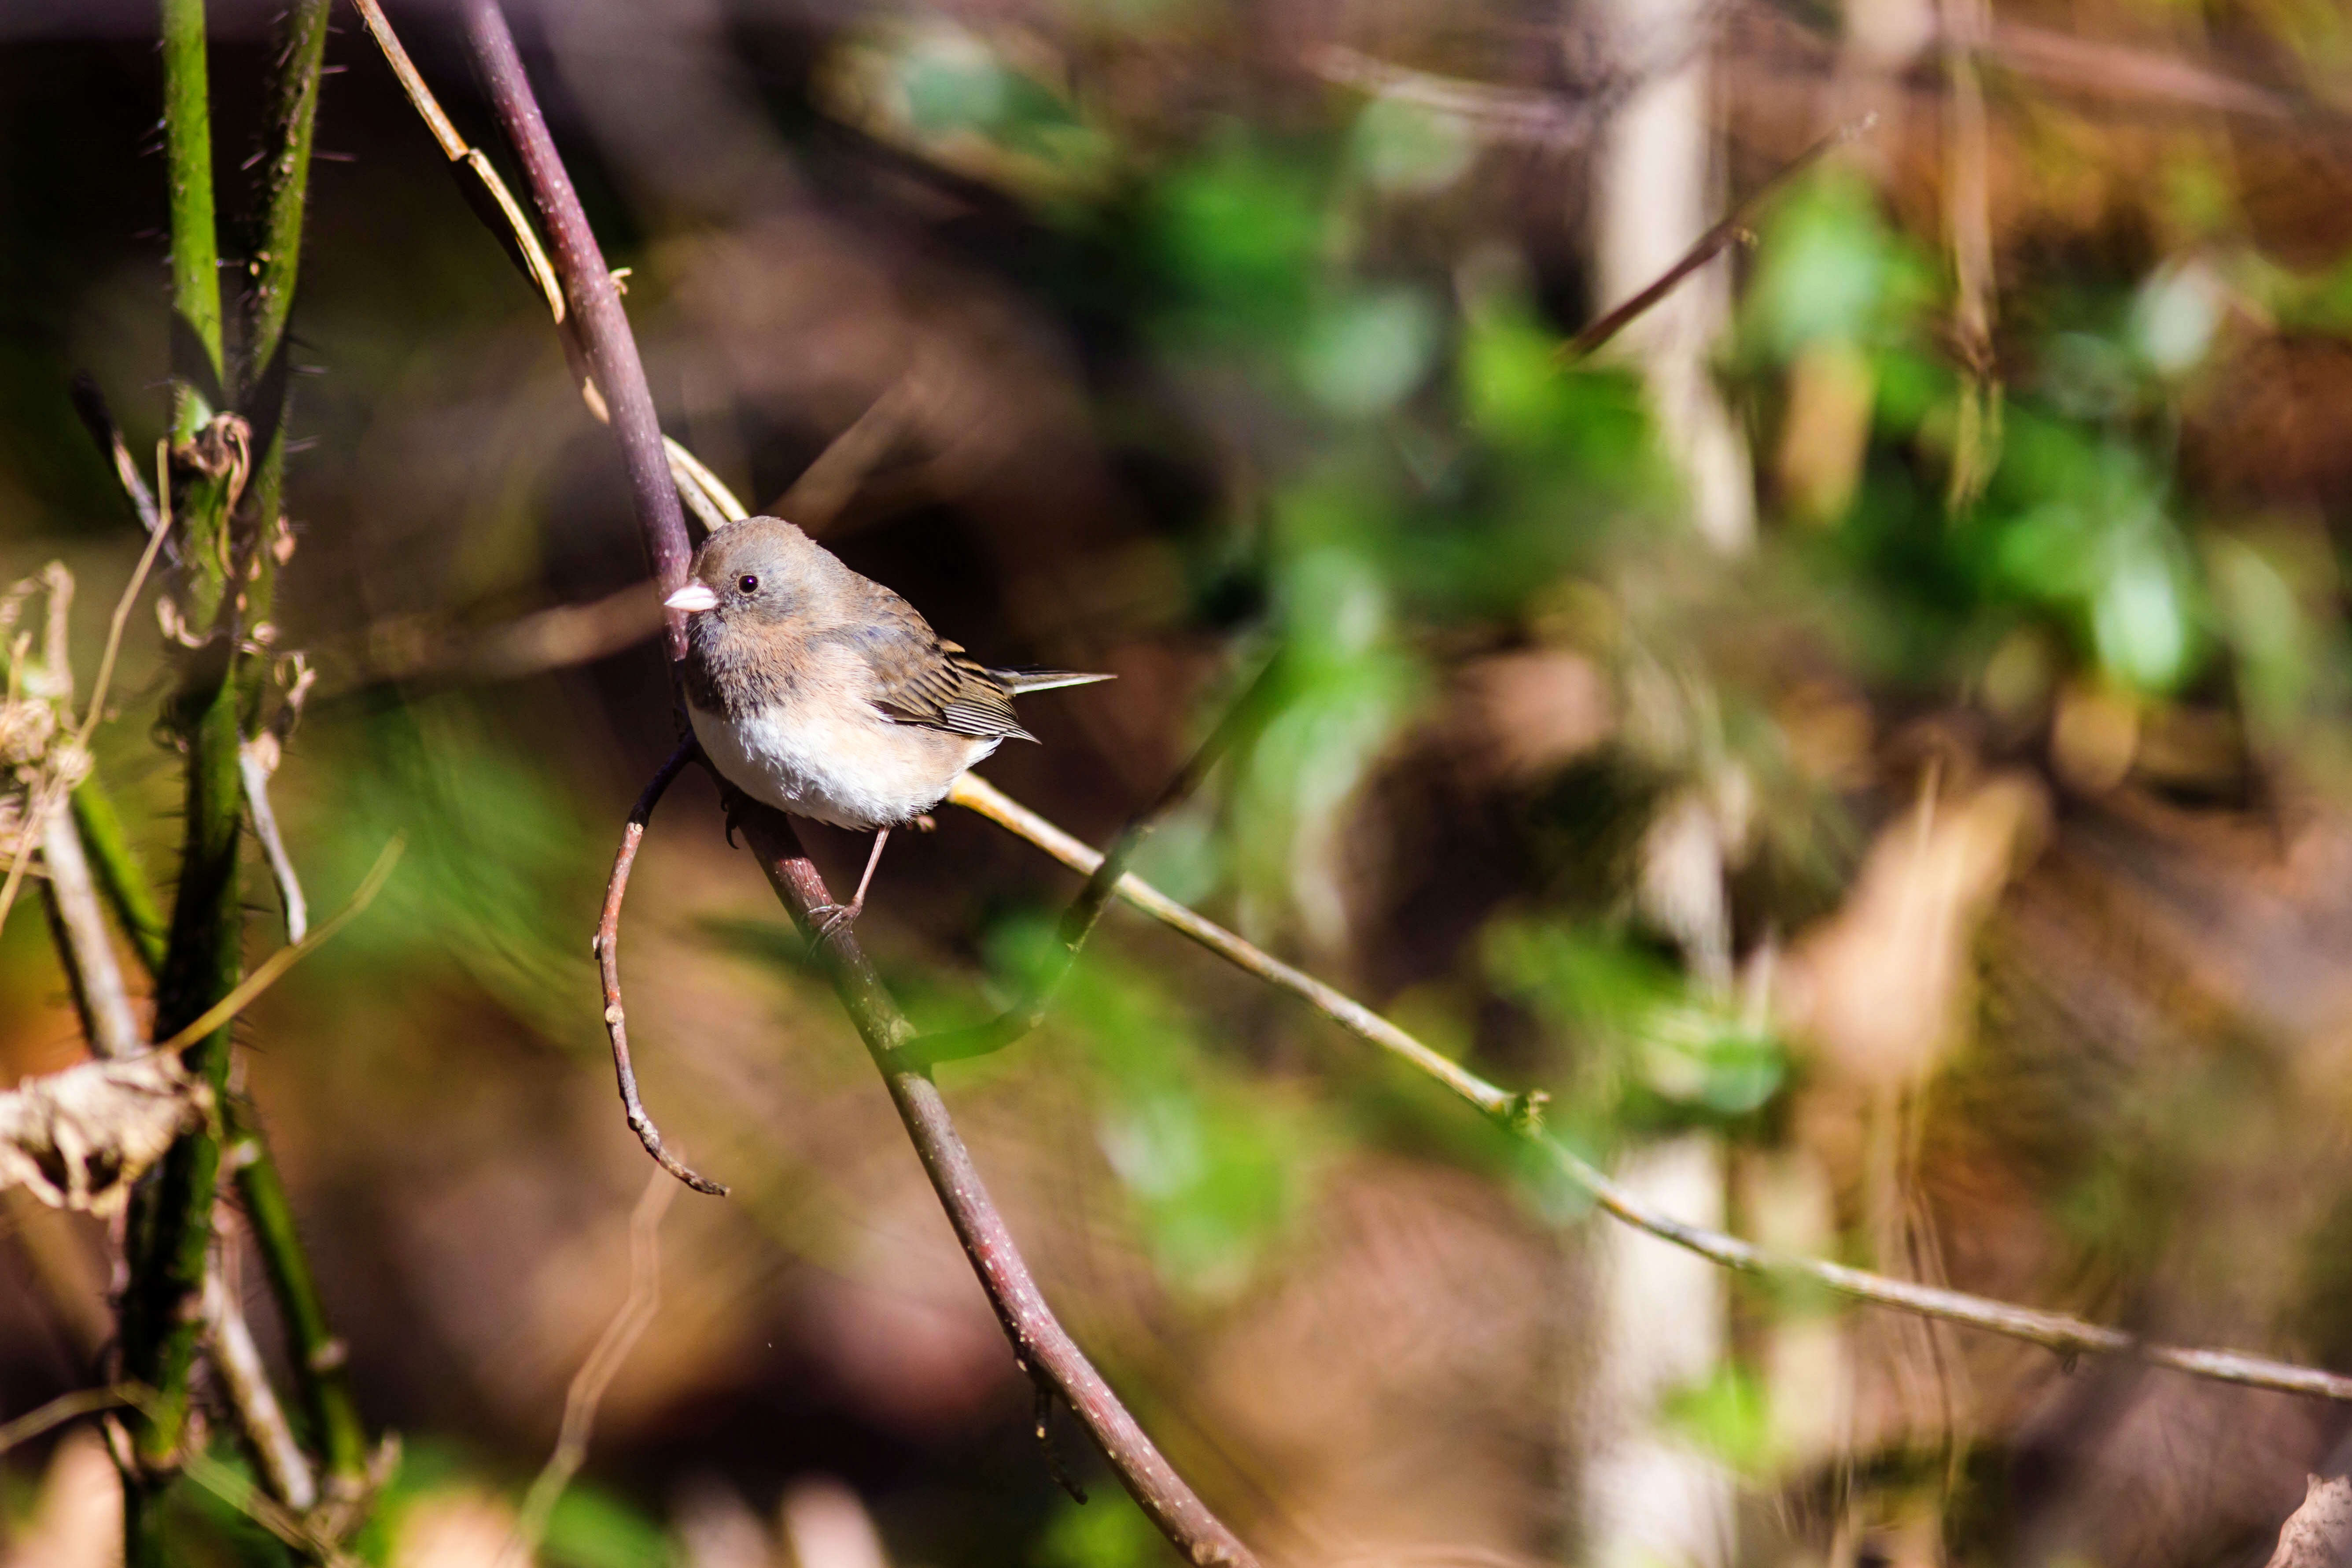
{"points": [[454, 146], [90, 403], [606, 946], [262, 1420], [595, 1375], [1085, 911], [712, 503], [1736, 228], [64, 1407], [275, 966], [95, 711], [48, 793], [253, 767], [1521, 1113], [87, 949]]}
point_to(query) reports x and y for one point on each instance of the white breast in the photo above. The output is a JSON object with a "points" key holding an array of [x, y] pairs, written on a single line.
{"points": [[853, 770]]}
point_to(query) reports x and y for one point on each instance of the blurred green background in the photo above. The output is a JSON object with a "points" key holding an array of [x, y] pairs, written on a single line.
{"points": [[1874, 742]]}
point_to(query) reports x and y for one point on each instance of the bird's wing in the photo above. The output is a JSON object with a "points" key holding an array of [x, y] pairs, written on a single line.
{"points": [[1021, 682], [920, 678]]}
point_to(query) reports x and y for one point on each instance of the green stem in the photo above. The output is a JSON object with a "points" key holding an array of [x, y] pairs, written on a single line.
{"points": [[188, 154], [301, 51], [317, 1353], [170, 1222], [119, 876], [170, 1226], [318, 1356]]}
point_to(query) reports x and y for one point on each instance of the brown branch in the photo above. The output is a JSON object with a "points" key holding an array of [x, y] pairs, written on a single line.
{"points": [[259, 1417], [1736, 228], [1040, 1346], [606, 946], [1040, 1343], [1521, 1113]]}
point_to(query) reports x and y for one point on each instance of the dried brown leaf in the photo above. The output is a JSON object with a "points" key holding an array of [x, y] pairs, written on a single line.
{"points": [[79, 1138]]}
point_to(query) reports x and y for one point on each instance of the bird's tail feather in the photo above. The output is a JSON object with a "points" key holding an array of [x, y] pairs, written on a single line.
{"points": [[1022, 681]]}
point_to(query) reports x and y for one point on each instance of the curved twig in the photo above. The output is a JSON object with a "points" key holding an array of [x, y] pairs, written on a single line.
{"points": [[606, 946], [1521, 1113]]}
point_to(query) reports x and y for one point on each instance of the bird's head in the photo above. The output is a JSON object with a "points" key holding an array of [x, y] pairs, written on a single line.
{"points": [[760, 572]]}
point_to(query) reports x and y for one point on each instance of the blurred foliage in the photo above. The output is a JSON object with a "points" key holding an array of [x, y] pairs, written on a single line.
{"points": [[1304, 402]]}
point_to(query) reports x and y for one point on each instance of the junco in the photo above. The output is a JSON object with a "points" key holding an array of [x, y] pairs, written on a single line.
{"points": [[825, 694]]}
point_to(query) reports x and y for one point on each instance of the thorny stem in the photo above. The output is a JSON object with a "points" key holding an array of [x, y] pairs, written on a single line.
{"points": [[196, 243], [1520, 1113], [318, 1356], [301, 48], [170, 1219], [200, 962], [118, 874], [169, 1224]]}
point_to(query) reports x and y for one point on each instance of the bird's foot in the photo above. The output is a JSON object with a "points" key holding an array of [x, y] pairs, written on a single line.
{"points": [[836, 918]]}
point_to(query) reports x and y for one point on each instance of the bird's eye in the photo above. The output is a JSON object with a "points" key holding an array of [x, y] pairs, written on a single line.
{"points": [[749, 584]]}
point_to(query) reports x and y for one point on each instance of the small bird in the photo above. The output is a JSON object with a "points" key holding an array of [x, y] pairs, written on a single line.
{"points": [[825, 694]]}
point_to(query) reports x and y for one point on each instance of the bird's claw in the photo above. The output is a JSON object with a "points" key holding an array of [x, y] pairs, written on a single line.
{"points": [[836, 918]]}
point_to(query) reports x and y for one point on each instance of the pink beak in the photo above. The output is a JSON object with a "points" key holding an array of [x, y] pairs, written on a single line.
{"points": [[692, 599]]}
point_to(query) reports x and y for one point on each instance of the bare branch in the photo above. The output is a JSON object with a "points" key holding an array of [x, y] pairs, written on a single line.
{"points": [[1521, 1113], [606, 946], [283, 1465], [255, 763], [1734, 229], [1039, 1341], [1040, 1346], [87, 949]]}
